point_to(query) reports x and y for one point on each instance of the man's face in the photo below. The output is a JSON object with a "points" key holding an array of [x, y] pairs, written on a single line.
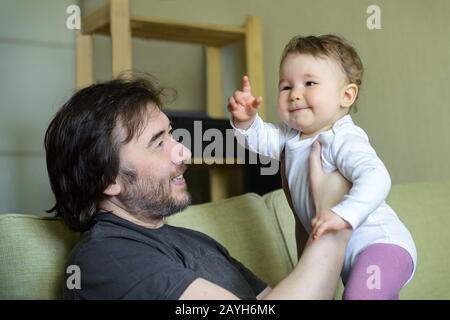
{"points": [[151, 174]]}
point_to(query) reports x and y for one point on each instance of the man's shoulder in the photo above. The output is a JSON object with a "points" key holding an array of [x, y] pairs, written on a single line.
{"points": [[107, 241], [183, 231], [113, 260], [104, 244]]}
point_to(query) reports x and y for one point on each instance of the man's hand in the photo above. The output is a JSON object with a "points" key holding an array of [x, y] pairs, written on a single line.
{"points": [[327, 220], [327, 191], [243, 106]]}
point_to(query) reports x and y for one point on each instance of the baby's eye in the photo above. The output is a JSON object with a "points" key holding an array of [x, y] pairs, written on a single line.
{"points": [[283, 88], [310, 83], [160, 144]]}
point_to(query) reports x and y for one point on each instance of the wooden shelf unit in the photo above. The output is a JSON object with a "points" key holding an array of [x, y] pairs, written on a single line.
{"points": [[114, 19]]}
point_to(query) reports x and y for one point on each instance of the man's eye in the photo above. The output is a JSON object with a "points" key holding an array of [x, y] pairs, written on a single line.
{"points": [[310, 83]]}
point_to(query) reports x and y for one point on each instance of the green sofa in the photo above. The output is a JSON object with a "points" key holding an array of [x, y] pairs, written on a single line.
{"points": [[259, 231]]}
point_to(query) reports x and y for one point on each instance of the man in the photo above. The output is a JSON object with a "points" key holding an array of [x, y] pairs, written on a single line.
{"points": [[116, 172]]}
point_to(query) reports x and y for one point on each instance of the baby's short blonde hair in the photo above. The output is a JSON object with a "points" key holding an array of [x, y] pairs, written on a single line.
{"points": [[333, 47]]}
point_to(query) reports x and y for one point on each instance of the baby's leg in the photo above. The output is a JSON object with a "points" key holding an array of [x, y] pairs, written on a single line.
{"points": [[379, 273]]}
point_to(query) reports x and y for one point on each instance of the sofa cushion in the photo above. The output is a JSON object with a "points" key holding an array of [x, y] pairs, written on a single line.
{"points": [[246, 228], [425, 210], [277, 203], [33, 252]]}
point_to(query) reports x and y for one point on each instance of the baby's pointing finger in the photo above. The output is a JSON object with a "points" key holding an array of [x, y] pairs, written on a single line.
{"points": [[246, 85]]}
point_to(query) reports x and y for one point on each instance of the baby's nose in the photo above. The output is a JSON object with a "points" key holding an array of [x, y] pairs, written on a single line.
{"points": [[296, 95]]}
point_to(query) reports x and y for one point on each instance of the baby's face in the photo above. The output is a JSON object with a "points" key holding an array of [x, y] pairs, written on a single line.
{"points": [[310, 93]]}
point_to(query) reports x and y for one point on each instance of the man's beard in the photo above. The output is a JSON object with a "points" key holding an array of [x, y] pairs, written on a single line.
{"points": [[149, 200]]}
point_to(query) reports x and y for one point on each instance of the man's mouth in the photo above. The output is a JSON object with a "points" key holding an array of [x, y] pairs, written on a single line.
{"points": [[178, 180]]}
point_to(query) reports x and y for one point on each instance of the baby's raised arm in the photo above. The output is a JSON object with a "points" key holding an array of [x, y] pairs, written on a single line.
{"points": [[243, 106]]}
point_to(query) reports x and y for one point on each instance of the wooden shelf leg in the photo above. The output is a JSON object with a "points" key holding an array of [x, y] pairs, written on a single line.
{"points": [[120, 36], [254, 58], [214, 87], [84, 61], [225, 181], [218, 183]]}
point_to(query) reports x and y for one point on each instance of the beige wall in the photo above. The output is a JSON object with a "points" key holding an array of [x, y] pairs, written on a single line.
{"points": [[37, 66], [404, 104]]}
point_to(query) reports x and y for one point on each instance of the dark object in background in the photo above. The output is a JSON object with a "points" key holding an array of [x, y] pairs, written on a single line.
{"points": [[252, 180]]}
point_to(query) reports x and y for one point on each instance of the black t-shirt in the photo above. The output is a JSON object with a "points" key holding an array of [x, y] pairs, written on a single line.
{"points": [[122, 260]]}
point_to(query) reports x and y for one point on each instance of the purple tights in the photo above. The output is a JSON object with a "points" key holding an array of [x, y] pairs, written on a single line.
{"points": [[380, 271]]}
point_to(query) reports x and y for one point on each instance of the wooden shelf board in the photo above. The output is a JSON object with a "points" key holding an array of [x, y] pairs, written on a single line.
{"points": [[96, 22], [163, 29]]}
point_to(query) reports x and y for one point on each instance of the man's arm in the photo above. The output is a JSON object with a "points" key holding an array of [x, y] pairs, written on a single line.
{"points": [[316, 274], [314, 277], [201, 289]]}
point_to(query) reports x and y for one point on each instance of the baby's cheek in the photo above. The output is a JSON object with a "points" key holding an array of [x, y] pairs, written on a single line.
{"points": [[283, 114], [316, 100]]}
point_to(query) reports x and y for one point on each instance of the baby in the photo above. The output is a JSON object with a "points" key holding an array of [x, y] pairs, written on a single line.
{"points": [[319, 82]]}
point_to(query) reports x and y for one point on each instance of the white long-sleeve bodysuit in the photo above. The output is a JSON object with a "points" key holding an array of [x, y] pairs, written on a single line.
{"points": [[345, 147]]}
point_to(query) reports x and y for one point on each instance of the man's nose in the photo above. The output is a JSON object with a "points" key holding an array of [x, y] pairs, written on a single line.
{"points": [[180, 153]]}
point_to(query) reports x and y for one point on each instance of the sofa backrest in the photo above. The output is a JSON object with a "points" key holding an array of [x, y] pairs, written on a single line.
{"points": [[258, 231], [277, 203], [246, 227], [33, 252], [425, 209], [34, 249]]}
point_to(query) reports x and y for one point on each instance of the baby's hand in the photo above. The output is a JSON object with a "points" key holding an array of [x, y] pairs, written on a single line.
{"points": [[326, 220], [243, 106]]}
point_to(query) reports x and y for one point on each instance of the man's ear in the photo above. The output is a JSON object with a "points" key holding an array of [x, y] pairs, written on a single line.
{"points": [[113, 189], [349, 95]]}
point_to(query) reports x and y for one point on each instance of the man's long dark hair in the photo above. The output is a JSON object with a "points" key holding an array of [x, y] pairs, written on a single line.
{"points": [[82, 147]]}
